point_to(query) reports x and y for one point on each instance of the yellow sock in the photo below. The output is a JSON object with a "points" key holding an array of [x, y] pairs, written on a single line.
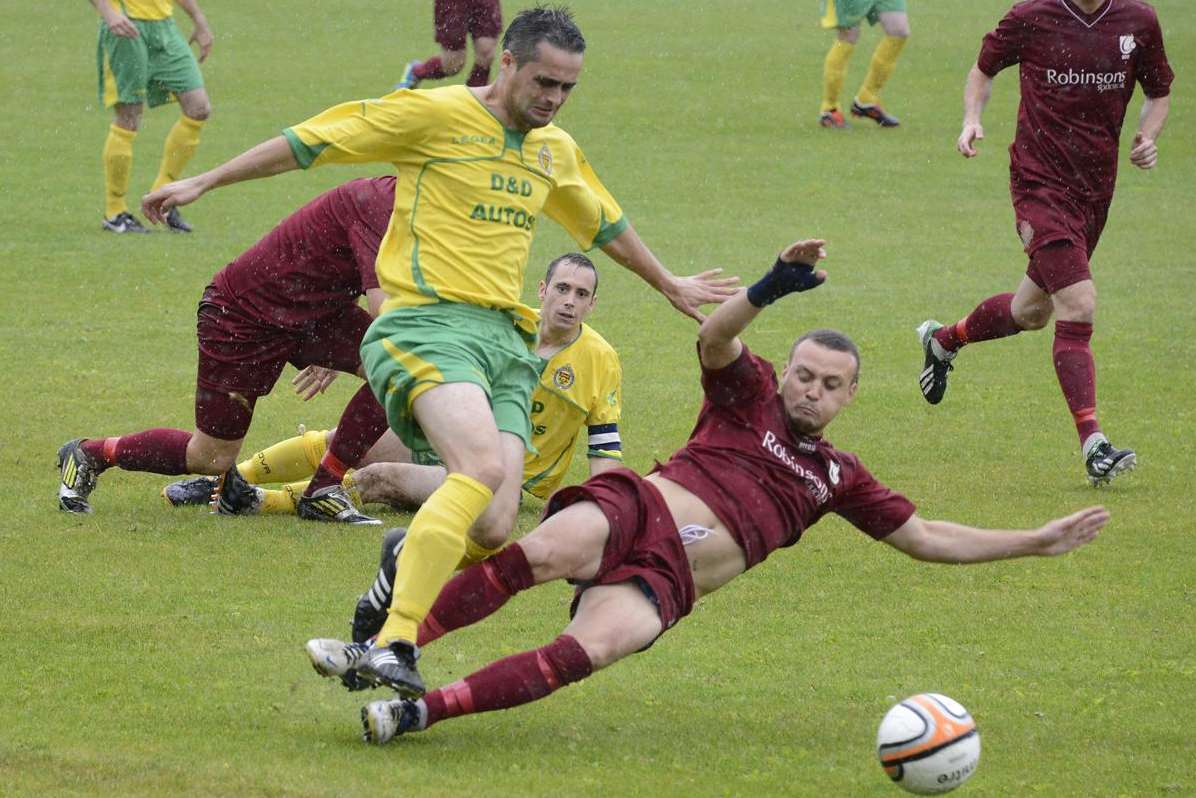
{"points": [[833, 70], [884, 60], [283, 501], [350, 486], [435, 544], [286, 461], [180, 145], [475, 553], [118, 162]]}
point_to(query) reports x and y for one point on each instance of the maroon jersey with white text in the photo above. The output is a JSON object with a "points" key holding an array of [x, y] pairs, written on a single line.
{"points": [[316, 260], [765, 483], [1077, 76]]}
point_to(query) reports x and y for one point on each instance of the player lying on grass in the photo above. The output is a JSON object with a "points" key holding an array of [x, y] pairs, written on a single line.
{"points": [[754, 475], [291, 297], [581, 387]]}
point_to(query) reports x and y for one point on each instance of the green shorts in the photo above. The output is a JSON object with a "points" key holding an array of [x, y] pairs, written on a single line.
{"points": [[409, 350], [152, 68], [849, 13]]}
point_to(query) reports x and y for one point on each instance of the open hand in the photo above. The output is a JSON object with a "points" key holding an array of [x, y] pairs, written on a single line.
{"points": [[709, 287], [313, 381], [1064, 534]]}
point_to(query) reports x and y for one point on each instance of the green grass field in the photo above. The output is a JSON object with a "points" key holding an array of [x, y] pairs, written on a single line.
{"points": [[146, 651]]}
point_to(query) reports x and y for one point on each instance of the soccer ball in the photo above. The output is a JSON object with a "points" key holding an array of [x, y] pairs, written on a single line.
{"points": [[928, 744]]}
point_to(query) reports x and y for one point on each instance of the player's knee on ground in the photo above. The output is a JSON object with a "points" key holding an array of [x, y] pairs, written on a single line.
{"points": [[452, 61]]}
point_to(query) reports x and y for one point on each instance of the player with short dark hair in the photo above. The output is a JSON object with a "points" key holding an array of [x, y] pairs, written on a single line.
{"points": [[755, 474], [1079, 61], [450, 355], [456, 21], [291, 297]]}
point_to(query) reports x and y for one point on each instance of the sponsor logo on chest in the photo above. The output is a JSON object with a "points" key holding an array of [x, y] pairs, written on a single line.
{"points": [[780, 451], [1108, 79]]}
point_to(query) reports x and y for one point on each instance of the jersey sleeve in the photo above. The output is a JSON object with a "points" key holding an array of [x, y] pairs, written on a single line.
{"points": [[361, 131], [582, 205], [603, 419], [364, 242], [740, 382], [871, 506], [1154, 72], [1002, 47]]}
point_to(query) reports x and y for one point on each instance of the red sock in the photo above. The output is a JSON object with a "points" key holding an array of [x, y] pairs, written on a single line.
{"points": [[992, 318], [476, 593], [509, 682], [478, 76], [362, 423], [1076, 371], [160, 451], [429, 70]]}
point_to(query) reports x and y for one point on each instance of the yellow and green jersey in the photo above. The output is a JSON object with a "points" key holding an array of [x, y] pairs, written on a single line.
{"points": [[469, 196], [580, 386], [144, 9]]}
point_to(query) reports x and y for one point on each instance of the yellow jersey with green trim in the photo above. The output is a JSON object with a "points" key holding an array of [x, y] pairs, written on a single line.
{"points": [[144, 9], [581, 385], [469, 196]]}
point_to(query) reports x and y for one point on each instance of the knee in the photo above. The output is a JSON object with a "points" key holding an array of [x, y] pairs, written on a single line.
{"points": [[199, 111], [483, 54], [204, 457], [494, 527], [1031, 317], [487, 469], [451, 61], [128, 117], [1076, 305], [849, 35]]}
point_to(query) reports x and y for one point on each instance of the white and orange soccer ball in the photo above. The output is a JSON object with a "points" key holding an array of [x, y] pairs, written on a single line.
{"points": [[928, 744]]}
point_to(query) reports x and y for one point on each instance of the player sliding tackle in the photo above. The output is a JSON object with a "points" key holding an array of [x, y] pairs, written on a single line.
{"points": [[755, 474], [449, 355]]}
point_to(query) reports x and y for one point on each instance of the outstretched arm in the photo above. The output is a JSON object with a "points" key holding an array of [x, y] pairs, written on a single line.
{"points": [[687, 294], [271, 157], [794, 270], [944, 541], [975, 96]]}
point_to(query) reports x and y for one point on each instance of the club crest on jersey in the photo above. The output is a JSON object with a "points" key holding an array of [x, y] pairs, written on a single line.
{"points": [[832, 472], [563, 377], [545, 158], [1127, 46]]}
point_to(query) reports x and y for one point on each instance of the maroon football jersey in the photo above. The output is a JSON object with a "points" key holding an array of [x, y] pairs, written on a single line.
{"points": [[317, 259], [763, 481], [1077, 76]]}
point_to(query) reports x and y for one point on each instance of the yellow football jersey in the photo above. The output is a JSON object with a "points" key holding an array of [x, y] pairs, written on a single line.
{"points": [[469, 196], [581, 385], [144, 9]]}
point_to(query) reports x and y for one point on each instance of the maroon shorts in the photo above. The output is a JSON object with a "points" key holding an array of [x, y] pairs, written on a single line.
{"points": [[1046, 215], [242, 356], [457, 19], [643, 546]]}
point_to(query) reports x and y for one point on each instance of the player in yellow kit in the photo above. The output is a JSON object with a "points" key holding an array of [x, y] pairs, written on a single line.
{"points": [[845, 16], [449, 356], [142, 57]]}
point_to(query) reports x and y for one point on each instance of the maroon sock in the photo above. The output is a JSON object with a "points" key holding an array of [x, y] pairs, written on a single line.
{"points": [[362, 423], [992, 318], [478, 76], [477, 592], [430, 69], [1076, 371], [509, 682], [160, 451]]}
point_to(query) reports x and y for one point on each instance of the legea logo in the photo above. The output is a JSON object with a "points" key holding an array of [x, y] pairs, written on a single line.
{"points": [[1127, 44], [1103, 81]]}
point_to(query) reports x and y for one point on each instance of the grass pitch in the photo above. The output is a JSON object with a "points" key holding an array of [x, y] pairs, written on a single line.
{"points": [[155, 652]]}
